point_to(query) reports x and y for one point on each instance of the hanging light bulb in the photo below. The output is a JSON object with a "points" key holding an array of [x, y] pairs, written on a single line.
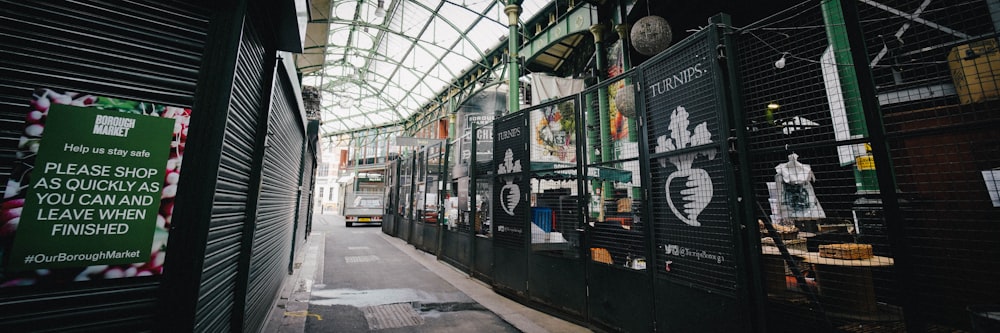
{"points": [[772, 108], [781, 62], [380, 11]]}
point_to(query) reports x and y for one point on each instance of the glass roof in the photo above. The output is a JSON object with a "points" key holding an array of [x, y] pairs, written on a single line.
{"points": [[377, 68]]}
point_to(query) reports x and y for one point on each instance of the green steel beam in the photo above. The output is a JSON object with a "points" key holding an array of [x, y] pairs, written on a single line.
{"points": [[577, 21]]}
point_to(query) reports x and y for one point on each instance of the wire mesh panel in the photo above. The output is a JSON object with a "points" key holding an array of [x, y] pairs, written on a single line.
{"points": [[405, 207], [693, 226], [937, 73], [612, 176], [434, 168], [457, 207], [483, 180], [391, 197], [554, 190], [482, 221], [826, 256], [405, 186]]}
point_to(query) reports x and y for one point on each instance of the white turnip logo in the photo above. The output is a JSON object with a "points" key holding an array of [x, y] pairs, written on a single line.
{"points": [[510, 194], [698, 185]]}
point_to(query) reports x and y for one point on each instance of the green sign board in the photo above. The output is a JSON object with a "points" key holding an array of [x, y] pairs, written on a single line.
{"points": [[95, 190]]}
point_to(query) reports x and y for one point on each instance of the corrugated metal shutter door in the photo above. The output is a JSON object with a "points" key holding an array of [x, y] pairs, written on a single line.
{"points": [[306, 198], [146, 51], [229, 212], [276, 207]]}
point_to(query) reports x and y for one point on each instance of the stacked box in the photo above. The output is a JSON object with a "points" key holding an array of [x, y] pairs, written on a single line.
{"points": [[975, 69]]}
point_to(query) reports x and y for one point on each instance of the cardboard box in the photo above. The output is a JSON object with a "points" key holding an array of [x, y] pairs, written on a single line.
{"points": [[975, 69]]}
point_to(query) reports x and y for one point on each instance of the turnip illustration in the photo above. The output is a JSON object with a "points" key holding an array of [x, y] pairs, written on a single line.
{"points": [[510, 191], [698, 184]]}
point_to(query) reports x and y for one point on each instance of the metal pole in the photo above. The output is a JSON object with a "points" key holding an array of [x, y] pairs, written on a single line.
{"points": [[891, 215], [836, 34], [602, 101], [513, 10], [472, 197]]}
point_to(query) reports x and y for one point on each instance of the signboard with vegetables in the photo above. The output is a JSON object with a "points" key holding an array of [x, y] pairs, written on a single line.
{"points": [[692, 220], [92, 189]]}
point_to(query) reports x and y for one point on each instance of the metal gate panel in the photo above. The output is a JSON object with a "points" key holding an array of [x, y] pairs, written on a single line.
{"points": [[277, 206], [391, 218], [145, 52], [846, 68], [555, 267], [690, 186], [618, 235], [945, 150], [686, 137], [510, 204], [482, 256]]}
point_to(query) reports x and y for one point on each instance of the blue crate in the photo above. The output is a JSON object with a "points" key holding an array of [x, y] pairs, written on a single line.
{"points": [[544, 218]]}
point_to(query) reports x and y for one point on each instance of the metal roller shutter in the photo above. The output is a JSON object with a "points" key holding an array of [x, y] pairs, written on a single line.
{"points": [[277, 206], [304, 200], [215, 303], [146, 51]]}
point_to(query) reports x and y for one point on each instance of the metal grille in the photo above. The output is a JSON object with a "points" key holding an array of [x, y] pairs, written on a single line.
{"points": [[405, 184], [804, 108], [433, 168], [360, 259], [483, 220], [612, 176], [509, 202], [481, 175], [394, 315], [693, 230], [457, 207], [938, 83], [391, 198], [554, 190], [791, 92]]}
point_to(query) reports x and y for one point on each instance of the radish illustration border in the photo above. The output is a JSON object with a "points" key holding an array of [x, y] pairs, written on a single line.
{"points": [[16, 190]]}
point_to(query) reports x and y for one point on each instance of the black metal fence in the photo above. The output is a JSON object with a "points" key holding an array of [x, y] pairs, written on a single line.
{"points": [[873, 250], [833, 167]]}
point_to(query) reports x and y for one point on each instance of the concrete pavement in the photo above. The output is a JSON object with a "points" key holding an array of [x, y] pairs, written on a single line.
{"points": [[361, 280]]}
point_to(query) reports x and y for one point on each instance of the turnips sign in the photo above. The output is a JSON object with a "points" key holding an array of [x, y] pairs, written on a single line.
{"points": [[509, 200], [687, 130], [676, 80]]}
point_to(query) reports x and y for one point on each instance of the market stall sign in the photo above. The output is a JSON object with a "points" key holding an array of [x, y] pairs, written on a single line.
{"points": [[95, 190]]}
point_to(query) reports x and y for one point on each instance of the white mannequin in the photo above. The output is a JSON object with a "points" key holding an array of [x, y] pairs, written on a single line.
{"points": [[794, 171], [796, 197]]}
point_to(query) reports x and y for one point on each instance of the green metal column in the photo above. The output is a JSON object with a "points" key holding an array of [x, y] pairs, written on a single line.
{"points": [[836, 34], [602, 102], [513, 10]]}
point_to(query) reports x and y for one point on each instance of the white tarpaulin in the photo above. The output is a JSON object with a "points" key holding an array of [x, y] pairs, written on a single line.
{"points": [[545, 87]]}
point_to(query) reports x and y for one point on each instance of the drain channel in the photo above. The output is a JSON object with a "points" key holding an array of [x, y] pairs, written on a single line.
{"points": [[392, 316]]}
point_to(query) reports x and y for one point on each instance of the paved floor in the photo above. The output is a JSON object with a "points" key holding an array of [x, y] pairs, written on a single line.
{"points": [[361, 280]]}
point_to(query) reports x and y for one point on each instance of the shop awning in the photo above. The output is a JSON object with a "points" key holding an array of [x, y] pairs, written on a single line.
{"points": [[558, 171]]}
